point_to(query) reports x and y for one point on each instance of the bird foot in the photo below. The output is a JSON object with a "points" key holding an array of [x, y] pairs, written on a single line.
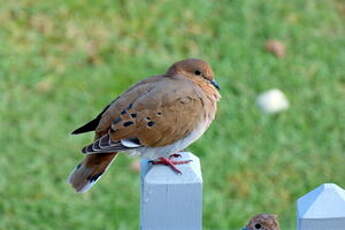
{"points": [[170, 163]]}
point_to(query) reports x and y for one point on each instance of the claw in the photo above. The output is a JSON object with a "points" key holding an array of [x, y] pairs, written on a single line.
{"points": [[170, 163]]}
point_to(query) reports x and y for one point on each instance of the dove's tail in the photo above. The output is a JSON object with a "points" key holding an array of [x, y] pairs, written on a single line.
{"points": [[87, 173]]}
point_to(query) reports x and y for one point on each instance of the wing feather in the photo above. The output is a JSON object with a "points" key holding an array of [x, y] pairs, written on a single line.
{"points": [[156, 112]]}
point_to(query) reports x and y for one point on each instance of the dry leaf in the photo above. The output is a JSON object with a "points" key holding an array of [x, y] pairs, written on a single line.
{"points": [[275, 47]]}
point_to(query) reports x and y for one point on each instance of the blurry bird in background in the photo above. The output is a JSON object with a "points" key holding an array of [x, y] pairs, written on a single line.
{"points": [[156, 118], [263, 222]]}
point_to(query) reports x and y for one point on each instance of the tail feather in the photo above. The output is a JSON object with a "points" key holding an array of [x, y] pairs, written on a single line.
{"points": [[90, 170]]}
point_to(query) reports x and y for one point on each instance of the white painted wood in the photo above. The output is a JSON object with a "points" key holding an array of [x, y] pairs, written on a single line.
{"points": [[322, 209], [170, 201]]}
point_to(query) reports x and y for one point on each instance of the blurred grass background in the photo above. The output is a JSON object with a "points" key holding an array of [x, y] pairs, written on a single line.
{"points": [[61, 62]]}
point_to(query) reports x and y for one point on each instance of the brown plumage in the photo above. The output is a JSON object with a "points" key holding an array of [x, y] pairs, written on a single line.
{"points": [[263, 222], [158, 116]]}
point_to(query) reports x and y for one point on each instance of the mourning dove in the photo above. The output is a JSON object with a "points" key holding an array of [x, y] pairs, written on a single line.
{"points": [[156, 118], [263, 222]]}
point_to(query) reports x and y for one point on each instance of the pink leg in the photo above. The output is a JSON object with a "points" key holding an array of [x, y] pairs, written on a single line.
{"points": [[170, 163]]}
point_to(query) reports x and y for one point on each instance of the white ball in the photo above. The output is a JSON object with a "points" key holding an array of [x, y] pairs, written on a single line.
{"points": [[272, 101]]}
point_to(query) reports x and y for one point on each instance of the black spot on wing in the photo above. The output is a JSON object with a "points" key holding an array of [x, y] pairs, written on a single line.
{"points": [[151, 123], [128, 123], [133, 115]]}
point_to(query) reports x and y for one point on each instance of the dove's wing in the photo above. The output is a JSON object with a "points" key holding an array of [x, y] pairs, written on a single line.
{"points": [[156, 112], [130, 94]]}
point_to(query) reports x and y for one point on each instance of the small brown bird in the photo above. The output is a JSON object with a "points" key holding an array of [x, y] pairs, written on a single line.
{"points": [[263, 222], [156, 118]]}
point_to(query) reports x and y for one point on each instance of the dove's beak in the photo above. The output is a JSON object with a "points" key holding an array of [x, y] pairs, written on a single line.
{"points": [[215, 84]]}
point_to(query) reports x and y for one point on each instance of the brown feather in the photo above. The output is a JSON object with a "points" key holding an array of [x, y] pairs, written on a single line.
{"points": [[89, 170]]}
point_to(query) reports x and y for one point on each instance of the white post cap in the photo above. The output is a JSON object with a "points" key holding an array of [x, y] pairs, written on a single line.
{"points": [[322, 208]]}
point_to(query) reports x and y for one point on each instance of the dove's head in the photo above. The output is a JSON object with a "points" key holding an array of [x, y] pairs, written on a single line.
{"points": [[263, 222], [195, 69]]}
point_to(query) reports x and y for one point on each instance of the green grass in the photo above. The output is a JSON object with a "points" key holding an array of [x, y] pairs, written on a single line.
{"points": [[62, 61]]}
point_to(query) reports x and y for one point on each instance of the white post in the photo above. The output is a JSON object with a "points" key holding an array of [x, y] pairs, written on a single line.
{"points": [[322, 209], [170, 201]]}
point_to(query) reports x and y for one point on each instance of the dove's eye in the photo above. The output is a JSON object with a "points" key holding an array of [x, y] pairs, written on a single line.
{"points": [[257, 226], [197, 72]]}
